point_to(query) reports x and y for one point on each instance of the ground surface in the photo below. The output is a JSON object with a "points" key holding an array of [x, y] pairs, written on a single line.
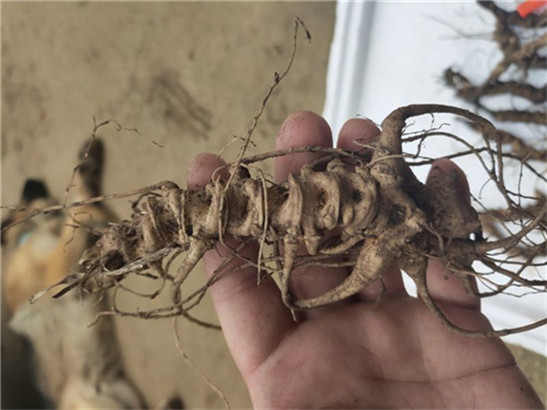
{"points": [[189, 76]]}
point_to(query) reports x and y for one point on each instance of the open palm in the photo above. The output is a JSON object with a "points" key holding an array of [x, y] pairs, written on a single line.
{"points": [[382, 348]]}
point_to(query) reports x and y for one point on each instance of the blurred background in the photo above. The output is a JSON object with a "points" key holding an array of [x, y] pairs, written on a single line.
{"points": [[189, 77]]}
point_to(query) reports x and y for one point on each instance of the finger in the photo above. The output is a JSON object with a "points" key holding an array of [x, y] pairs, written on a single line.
{"points": [[389, 285], [355, 133], [203, 168], [253, 317], [443, 285], [298, 130]]}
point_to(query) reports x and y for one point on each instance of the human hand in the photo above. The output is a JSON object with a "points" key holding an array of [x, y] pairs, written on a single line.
{"points": [[357, 353]]}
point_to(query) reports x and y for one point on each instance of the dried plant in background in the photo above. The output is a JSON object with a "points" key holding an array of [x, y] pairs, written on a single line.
{"points": [[518, 75]]}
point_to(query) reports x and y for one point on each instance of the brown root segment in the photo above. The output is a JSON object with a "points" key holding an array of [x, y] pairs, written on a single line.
{"points": [[367, 213]]}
